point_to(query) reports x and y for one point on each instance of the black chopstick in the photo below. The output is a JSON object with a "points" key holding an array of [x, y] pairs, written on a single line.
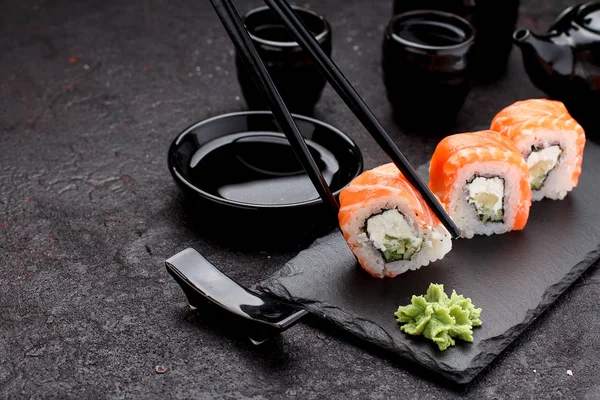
{"points": [[237, 32], [359, 108]]}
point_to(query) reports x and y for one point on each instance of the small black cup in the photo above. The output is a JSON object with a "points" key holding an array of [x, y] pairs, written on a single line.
{"points": [[296, 77], [427, 57], [494, 21]]}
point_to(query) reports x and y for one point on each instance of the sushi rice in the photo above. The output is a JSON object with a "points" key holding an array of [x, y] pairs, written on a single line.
{"points": [[387, 224], [483, 180], [551, 142], [433, 243], [473, 218]]}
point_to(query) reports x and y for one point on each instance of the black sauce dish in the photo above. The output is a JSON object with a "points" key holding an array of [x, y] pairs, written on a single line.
{"points": [[427, 68], [295, 75], [494, 21], [244, 185]]}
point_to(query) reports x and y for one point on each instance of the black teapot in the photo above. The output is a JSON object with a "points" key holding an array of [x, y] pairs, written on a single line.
{"points": [[565, 62]]}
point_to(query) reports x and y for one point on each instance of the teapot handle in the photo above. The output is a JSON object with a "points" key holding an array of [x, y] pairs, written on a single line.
{"points": [[564, 18]]}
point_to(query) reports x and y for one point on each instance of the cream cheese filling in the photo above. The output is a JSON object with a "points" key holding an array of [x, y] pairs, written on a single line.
{"points": [[393, 236], [486, 195], [540, 163]]}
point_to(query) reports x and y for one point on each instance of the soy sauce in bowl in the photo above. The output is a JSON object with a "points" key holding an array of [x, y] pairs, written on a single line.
{"points": [[259, 168]]}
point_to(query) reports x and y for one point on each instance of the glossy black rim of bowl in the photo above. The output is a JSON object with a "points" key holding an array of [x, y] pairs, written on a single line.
{"points": [[584, 10], [469, 29], [323, 32], [558, 20], [179, 176]]}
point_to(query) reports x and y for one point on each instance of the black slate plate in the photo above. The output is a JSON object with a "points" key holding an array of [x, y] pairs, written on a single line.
{"points": [[514, 277]]}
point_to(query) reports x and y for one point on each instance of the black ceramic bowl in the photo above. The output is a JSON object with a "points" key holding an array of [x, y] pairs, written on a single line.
{"points": [[296, 76], [427, 65], [494, 22], [244, 184]]}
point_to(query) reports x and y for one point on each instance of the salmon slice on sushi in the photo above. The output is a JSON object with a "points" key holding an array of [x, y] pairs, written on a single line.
{"points": [[551, 142], [387, 224], [483, 180]]}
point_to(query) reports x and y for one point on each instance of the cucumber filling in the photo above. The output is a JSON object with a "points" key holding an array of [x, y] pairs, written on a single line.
{"points": [[393, 236], [541, 162], [486, 195]]}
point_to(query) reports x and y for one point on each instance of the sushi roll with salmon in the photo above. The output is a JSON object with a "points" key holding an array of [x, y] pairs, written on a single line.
{"points": [[551, 141], [387, 224], [483, 180]]}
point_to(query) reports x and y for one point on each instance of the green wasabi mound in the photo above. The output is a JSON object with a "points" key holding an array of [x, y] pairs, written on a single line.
{"points": [[439, 318]]}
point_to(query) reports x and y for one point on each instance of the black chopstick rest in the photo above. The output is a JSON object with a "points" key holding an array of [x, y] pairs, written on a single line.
{"points": [[204, 285]]}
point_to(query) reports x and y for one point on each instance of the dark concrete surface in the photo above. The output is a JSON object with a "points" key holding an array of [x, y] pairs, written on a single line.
{"points": [[91, 95]]}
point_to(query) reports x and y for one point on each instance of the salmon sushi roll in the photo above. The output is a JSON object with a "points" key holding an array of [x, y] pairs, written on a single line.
{"points": [[551, 141], [483, 180], [387, 224]]}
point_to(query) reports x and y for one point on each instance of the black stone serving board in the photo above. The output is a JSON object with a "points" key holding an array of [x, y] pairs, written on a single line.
{"points": [[514, 277]]}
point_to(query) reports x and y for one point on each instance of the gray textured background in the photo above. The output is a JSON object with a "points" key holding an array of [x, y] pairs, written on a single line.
{"points": [[88, 213]]}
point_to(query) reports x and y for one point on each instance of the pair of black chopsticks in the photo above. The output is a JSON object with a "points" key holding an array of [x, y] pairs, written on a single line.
{"points": [[238, 34]]}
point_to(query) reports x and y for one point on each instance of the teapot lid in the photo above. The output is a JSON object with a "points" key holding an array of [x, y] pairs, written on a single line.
{"points": [[588, 16]]}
